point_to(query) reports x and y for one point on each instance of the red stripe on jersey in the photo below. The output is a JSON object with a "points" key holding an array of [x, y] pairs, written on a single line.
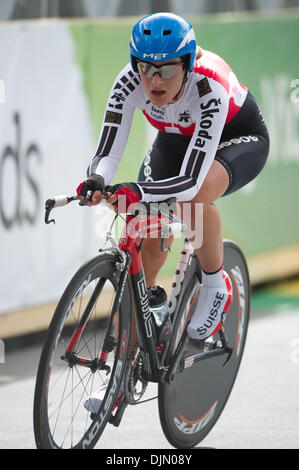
{"points": [[162, 126], [232, 109], [212, 66]]}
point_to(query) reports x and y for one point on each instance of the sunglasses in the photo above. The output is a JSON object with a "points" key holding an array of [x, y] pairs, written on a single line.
{"points": [[166, 71]]}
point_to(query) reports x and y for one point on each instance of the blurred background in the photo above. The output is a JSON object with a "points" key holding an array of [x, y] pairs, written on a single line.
{"points": [[20, 9], [58, 61]]}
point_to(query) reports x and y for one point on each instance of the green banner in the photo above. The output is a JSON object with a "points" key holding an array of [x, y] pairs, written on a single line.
{"points": [[262, 217]]}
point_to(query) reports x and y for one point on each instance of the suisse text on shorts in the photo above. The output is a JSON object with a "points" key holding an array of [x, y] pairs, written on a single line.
{"points": [[152, 459]]}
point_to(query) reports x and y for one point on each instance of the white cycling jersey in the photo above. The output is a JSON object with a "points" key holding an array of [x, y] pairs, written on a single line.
{"points": [[212, 96]]}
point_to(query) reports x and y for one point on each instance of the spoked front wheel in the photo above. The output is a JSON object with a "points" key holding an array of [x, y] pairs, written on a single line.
{"points": [[190, 406], [75, 363]]}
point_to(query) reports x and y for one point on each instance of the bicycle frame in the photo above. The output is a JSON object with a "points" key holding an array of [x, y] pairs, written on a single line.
{"points": [[156, 367], [162, 368]]}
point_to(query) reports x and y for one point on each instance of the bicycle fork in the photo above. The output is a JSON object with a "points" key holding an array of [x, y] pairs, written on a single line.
{"points": [[109, 342]]}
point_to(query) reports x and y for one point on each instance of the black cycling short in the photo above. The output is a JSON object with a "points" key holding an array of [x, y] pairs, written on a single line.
{"points": [[242, 150]]}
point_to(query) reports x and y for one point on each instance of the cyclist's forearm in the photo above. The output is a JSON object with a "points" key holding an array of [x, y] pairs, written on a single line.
{"points": [[106, 167]]}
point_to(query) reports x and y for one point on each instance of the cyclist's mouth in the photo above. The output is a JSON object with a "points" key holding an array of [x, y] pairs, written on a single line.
{"points": [[158, 93]]}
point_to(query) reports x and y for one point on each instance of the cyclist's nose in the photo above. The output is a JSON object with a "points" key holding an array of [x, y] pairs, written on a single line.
{"points": [[156, 78]]}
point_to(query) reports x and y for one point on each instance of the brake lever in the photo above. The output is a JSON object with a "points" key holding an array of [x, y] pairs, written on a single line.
{"points": [[86, 199], [89, 195]]}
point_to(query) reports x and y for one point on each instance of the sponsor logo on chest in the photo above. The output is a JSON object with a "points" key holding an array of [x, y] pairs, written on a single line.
{"points": [[160, 114], [157, 113]]}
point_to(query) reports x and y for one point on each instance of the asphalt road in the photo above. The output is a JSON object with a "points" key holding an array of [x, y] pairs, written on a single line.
{"points": [[262, 412]]}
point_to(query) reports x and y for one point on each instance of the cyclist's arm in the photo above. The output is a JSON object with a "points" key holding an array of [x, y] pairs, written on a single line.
{"points": [[210, 114], [116, 125], [112, 142]]}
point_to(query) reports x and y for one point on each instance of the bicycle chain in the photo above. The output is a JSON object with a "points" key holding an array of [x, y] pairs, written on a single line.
{"points": [[133, 376]]}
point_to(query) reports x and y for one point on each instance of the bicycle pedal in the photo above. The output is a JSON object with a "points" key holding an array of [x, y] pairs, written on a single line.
{"points": [[209, 344]]}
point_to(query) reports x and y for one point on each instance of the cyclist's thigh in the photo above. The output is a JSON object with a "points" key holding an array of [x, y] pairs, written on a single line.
{"points": [[243, 157], [244, 146], [164, 159]]}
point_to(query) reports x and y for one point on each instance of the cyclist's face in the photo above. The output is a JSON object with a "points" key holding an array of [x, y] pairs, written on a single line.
{"points": [[161, 91]]}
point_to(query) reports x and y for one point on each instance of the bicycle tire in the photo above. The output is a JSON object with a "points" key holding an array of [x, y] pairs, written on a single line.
{"points": [[59, 428], [190, 406]]}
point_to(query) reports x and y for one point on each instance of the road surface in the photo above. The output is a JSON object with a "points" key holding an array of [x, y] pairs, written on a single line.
{"points": [[262, 412]]}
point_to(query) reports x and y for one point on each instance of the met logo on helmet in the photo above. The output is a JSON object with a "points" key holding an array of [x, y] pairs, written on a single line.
{"points": [[156, 55]]}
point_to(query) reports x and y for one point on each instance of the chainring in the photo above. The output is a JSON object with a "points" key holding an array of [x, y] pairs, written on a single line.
{"points": [[135, 385]]}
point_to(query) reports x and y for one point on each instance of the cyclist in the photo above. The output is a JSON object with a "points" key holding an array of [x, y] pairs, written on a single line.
{"points": [[212, 140]]}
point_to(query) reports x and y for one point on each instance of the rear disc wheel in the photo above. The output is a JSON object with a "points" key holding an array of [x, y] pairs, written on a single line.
{"points": [[190, 406]]}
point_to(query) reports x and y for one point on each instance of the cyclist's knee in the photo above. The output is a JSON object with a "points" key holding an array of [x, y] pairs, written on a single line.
{"points": [[214, 185]]}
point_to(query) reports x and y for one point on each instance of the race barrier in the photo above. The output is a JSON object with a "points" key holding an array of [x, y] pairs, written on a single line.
{"points": [[55, 77]]}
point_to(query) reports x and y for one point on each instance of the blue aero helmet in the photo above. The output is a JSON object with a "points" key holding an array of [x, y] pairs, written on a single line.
{"points": [[162, 36]]}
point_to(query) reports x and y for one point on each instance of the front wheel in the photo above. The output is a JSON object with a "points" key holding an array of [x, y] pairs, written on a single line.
{"points": [[71, 368], [190, 406]]}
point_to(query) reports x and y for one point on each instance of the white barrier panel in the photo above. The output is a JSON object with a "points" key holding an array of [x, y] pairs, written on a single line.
{"points": [[46, 143], [2, 91]]}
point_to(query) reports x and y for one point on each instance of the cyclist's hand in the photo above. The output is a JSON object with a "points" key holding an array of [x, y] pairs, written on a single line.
{"points": [[95, 184], [95, 199], [124, 195]]}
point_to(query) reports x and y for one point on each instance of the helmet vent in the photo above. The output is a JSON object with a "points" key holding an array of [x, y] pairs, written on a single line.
{"points": [[147, 31], [166, 32]]}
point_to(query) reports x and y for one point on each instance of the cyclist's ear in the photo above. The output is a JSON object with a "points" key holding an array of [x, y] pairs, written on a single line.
{"points": [[199, 52]]}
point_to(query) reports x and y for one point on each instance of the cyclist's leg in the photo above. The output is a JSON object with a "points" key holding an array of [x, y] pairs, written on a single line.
{"points": [[210, 251], [153, 258], [243, 159]]}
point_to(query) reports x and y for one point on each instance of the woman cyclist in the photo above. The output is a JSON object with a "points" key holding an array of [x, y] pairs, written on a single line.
{"points": [[212, 140]]}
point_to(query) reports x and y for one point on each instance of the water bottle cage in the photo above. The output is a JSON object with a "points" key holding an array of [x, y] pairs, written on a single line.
{"points": [[164, 331]]}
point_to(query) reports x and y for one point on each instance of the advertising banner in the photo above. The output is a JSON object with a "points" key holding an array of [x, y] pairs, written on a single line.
{"points": [[45, 146]]}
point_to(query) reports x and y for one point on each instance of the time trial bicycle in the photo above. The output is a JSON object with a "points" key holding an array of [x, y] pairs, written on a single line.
{"points": [[88, 342]]}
